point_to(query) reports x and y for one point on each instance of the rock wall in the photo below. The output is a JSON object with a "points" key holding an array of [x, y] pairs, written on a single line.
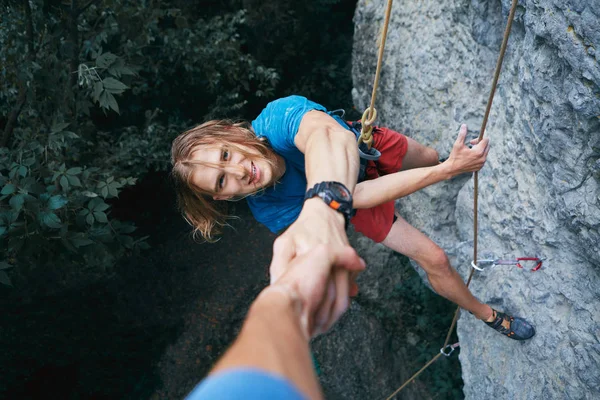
{"points": [[539, 192]]}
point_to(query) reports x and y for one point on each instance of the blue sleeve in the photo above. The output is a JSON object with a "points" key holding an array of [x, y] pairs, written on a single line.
{"points": [[247, 384], [280, 121]]}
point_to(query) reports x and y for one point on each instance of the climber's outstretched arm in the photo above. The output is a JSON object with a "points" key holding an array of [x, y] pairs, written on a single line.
{"points": [[462, 159]]}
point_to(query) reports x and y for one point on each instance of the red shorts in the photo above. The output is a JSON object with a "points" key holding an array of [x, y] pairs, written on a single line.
{"points": [[375, 223]]}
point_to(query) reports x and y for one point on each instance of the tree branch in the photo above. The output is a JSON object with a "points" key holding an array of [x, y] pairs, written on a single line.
{"points": [[29, 27]]}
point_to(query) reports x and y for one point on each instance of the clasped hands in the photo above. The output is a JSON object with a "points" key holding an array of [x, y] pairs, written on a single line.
{"points": [[314, 263]]}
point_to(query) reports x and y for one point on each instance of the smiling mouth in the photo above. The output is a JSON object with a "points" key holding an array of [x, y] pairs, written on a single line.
{"points": [[253, 174]]}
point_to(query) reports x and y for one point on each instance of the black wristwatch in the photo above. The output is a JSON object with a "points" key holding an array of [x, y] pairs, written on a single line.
{"points": [[335, 195]]}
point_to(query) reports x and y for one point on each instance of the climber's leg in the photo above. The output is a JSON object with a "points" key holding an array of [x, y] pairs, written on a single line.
{"points": [[444, 279], [418, 155]]}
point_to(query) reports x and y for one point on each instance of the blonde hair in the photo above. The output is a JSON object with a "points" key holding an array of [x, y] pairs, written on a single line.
{"points": [[199, 209]]}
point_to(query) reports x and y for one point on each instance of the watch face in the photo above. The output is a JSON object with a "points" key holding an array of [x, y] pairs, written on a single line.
{"points": [[340, 191]]}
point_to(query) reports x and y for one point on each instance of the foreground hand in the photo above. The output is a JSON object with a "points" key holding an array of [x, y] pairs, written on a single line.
{"points": [[464, 159], [317, 224], [307, 279]]}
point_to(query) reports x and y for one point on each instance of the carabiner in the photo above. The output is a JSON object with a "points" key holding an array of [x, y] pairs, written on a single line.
{"points": [[538, 265], [451, 347], [480, 265]]}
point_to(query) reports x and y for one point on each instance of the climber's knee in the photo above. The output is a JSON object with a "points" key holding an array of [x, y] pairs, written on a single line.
{"points": [[437, 264]]}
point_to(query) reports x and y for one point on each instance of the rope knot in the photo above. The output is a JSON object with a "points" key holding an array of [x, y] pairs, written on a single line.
{"points": [[366, 132]]}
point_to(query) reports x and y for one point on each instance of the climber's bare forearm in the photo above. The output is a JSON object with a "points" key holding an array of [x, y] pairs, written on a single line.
{"points": [[374, 192], [330, 150]]}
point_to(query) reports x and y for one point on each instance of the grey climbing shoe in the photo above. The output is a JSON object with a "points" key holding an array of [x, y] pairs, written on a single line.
{"points": [[518, 329]]}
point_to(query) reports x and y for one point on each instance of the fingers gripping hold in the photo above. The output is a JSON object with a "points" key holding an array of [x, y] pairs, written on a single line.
{"points": [[462, 135]]}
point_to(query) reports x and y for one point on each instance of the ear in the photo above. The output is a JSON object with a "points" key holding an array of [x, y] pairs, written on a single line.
{"points": [[217, 197]]}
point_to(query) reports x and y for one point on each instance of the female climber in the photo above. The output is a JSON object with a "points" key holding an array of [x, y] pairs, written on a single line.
{"points": [[268, 162]]}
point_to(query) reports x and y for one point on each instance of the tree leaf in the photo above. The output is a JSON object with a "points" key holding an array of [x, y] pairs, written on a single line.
{"points": [[70, 135], [106, 60], [101, 206], [112, 102], [74, 171], [10, 216], [64, 182], [58, 127], [23, 170], [113, 189], [103, 100], [5, 279], [127, 71], [74, 181], [90, 219], [80, 242], [98, 88], [111, 84], [8, 189], [93, 203], [16, 202], [56, 202], [87, 193], [50, 219], [100, 217]]}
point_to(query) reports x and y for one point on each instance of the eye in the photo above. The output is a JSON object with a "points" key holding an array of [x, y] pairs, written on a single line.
{"points": [[225, 155], [221, 181]]}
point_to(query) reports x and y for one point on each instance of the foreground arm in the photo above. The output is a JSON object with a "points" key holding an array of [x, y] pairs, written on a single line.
{"points": [[275, 335], [272, 340], [462, 159], [330, 154]]}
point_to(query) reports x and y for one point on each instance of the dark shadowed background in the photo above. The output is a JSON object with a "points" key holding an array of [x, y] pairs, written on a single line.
{"points": [[104, 293]]}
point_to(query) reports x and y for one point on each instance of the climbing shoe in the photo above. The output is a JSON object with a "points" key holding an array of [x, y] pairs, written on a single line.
{"points": [[518, 328]]}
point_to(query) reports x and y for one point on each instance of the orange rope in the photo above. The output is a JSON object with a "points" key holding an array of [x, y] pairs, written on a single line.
{"points": [[370, 113]]}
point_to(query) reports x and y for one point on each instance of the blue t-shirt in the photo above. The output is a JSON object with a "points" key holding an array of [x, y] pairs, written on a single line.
{"points": [[278, 206], [248, 384]]}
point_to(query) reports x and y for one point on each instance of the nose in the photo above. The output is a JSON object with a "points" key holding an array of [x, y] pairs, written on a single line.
{"points": [[239, 172]]}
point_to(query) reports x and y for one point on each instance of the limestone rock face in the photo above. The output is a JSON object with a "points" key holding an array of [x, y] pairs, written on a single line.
{"points": [[539, 191]]}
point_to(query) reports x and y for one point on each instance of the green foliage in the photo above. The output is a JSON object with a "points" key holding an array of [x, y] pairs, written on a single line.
{"points": [[94, 92], [51, 211]]}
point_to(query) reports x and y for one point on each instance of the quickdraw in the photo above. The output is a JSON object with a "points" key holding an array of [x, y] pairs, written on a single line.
{"points": [[481, 265], [449, 348]]}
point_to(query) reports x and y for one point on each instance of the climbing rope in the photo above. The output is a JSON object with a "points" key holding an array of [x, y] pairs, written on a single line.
{"points": [[370, 113], [475, 191]]}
